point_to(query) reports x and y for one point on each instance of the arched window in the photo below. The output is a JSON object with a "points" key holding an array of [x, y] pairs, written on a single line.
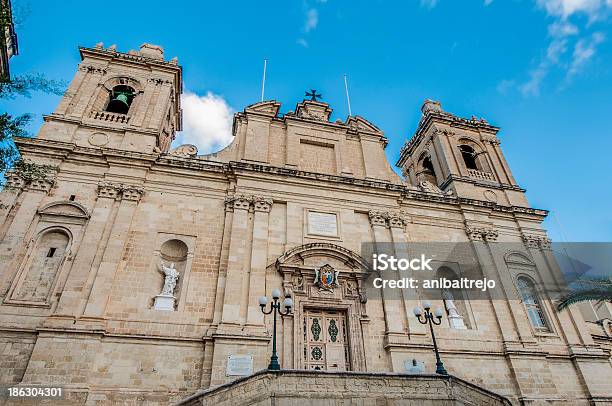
{"points": [[45, 261], [469, 157], [121, 98], [531, 301], [426, 171]]}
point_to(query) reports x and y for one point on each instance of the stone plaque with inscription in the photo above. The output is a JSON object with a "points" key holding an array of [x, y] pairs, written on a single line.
{"points": [[322, 224], [239, 365]]}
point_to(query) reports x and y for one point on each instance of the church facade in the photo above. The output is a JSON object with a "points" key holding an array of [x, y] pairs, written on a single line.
{"points": [[131, 271]]}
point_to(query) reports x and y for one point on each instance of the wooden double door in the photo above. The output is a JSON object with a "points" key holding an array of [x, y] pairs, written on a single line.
{"points": [[326, 340]]}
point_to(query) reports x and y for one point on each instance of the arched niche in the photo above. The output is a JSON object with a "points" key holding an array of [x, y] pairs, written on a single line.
{"points": [[455, 301], [171, 249], [38, 276]]}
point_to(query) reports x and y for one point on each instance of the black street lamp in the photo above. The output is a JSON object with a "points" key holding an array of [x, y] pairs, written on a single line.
{"points": [[429, 319], [275, 307]]}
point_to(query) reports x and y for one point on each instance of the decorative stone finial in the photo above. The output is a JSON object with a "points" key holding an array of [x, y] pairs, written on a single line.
{"points": [[152, 51], [431, 105], [99, 45], [112, 47]]}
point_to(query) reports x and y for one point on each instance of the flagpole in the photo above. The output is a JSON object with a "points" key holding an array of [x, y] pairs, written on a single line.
{"points": [[263, 80], [348, 99]]}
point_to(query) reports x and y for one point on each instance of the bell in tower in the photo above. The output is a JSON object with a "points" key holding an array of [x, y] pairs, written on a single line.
{"points": [[121, 99]]}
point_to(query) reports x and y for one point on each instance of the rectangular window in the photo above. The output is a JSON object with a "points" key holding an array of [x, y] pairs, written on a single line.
{"points": [[51, 252]]}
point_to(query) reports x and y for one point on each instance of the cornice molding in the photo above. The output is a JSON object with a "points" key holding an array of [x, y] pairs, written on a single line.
{"points": [[231, 169]]}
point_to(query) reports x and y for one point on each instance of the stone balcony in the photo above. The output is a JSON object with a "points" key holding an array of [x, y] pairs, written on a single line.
{"points": [[480, 175], [320, 388], [110, 117]]}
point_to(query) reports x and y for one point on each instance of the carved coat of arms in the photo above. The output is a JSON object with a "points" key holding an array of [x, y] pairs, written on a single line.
{"points": [[326, 278]]}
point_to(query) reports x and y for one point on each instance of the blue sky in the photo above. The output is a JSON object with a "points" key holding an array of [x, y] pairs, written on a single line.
{"points": [[540, 69]]}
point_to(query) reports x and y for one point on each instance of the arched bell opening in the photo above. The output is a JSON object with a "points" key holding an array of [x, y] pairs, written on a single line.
{"points": [[426, 170], [121, 98]]}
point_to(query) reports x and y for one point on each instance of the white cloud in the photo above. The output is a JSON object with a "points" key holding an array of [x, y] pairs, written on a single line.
{"points": [[487, 2], [565, 8], [312, 20], [207, 122], [562, 31], [584, 50]]}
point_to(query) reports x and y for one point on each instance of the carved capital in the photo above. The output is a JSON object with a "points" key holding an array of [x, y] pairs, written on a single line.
{"points": [[41, 185], [159, 81], [397, 220], [536, 241], [491, 235], [14, 180], [118, 191], [109, 190], [476, 233], [378, 218], [240, 202], [387, 218], [262, 204], [93, 69], [27, 175], [132, 192]]}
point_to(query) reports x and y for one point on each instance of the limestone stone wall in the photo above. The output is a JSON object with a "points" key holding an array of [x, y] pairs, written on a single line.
{"points": [[243, 220], [328, 388]]}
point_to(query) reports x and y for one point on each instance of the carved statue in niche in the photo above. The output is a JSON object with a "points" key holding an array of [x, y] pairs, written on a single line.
{"points": [[165, 300], [454, 318], [171, 275]]}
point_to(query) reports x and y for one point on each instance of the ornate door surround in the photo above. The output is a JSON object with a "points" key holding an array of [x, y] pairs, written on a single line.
{"points": [[339, 302]]}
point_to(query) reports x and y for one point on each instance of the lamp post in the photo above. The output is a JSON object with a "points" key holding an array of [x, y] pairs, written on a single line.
{"points": [[429, 319], [275, 307]]}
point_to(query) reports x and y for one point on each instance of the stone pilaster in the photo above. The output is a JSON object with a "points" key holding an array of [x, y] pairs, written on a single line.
{"points": [[27, 197], [232, 300], [397, 224], [13, 187], [72, 301], [391, 305], [129, 196], [259, 255], [508, 310]]}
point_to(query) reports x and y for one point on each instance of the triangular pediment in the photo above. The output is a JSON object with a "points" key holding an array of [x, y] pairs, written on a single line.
{"points": [[360, 124], [313, 110], [268, 108]]}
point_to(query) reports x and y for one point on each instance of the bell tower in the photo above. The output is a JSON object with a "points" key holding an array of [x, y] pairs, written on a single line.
{"points": [[128, 101], [461, 155]]}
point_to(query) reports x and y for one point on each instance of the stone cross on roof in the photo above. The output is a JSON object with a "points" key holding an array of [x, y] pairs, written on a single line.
{"points": [[313, 95]]}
